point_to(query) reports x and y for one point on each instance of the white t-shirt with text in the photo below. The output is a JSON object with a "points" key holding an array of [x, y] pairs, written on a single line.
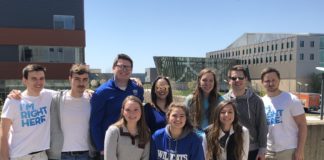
{"points": [[30, 129], [283, 130]]}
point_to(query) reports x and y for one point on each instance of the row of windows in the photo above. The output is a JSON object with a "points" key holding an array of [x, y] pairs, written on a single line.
{"points": [[311, 56], [50, 54], [269, 59], [282, 58], [273, 47]]}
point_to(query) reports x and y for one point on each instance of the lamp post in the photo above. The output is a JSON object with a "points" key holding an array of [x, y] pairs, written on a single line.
{"points": [[322, 90], [299, 84], [306, 87]]}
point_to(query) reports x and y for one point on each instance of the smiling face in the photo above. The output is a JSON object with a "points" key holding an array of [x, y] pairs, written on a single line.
{"points": [[177, 118], [162, 89], [132, 112], [226, 116], [237, 80], [207, 83], [122, 70], [35, 82]]}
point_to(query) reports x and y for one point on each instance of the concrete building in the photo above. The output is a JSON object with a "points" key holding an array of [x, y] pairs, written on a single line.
{"points": [[47, 32], [150, 75], [294, 55]]}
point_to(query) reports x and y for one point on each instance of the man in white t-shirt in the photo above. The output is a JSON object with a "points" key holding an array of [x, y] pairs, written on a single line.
{"points": [[70, 114], [25, 123], [285, 118]]}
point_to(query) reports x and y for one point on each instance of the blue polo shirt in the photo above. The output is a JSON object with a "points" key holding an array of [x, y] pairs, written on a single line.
{"points": [[106, 104]]}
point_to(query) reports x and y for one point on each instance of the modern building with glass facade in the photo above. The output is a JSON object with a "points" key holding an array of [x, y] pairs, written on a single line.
{"points": [[47, 32], [186, 69], [294, 55]]}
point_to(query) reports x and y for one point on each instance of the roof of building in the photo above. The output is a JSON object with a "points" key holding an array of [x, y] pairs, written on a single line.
{"points": [[255, 38]]}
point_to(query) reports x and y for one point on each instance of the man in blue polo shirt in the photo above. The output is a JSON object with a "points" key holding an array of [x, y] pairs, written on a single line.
{"points": [[107, 100]]}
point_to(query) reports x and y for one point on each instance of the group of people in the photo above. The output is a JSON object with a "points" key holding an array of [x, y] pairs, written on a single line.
{"points": [[113, 123]]}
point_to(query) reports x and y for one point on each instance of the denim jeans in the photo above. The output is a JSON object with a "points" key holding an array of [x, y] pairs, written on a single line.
{"points": [[83, 156]]}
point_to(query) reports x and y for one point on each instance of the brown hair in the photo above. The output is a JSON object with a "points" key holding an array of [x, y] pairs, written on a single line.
{"points": [[124, 57], [31, 68], [79, 69], [213, 132], [174, 105], [269, 70], [142, 129], [196, 111], [239, 68]]}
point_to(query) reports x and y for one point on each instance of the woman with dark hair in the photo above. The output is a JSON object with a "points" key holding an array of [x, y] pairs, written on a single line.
{"points": [[128, 138], [226, 139], [161, 98], [204, 99], [177, 140]]}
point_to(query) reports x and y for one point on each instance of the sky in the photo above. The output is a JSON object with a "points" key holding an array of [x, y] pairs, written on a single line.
{"points": [[186, 28]]}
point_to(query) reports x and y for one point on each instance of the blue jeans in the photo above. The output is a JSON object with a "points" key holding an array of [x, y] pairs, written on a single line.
{"points": [[83, 156]]}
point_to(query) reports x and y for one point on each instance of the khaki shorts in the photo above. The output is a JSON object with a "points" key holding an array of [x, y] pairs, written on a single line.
{"points": [[37, 156], [282, 155]]}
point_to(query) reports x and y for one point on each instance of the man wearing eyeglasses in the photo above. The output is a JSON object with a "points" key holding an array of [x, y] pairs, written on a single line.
{"points": [[250, 110], [107, 100]]}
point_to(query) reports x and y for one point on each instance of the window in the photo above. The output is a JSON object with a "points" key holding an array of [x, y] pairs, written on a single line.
{"points": [[280, 58], [291, 44], [270, 59], [274, 58], [267, 48], [301, 56], [312, 43], [285, 57], [290, 57], [63, 22], [262, 49], [311, 56], [282, 45], [301, 44], [266, 60], [272, 47], [276, 47], [287, 44]]}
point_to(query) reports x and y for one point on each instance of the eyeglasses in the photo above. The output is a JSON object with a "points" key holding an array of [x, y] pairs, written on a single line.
{"points": [[124, 67], [236, 78]]}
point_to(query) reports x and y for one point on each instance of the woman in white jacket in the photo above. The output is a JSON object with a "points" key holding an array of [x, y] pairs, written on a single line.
{"points": [[226, 139]]}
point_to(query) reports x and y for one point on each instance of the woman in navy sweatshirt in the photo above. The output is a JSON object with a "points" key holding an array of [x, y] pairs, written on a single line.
{"points": [[177, 140]]}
